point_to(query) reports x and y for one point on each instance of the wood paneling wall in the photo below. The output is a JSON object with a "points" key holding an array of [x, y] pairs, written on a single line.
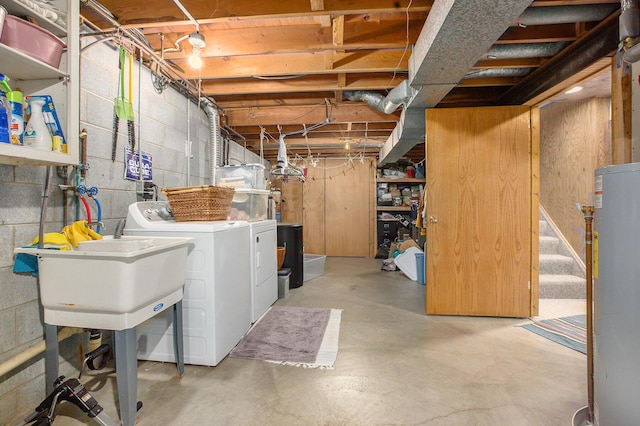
{"points": [[313, 210], [291, 207], [575, 139], [349, 219], [335, 205]]}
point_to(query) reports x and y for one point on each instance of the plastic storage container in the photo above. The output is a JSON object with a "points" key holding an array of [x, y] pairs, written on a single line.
{"points": [[249, 176], [3, 13], [32, 40], [249, 204], [283, 282], [313, 266], [420, 267]]}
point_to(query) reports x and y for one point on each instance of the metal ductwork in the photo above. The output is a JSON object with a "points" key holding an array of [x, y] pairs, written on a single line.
{"points": [[498, 72], [524, 50], [215, 137], [629, 24], [398, 96], [434, 70], [565, 14], [442, 56]]}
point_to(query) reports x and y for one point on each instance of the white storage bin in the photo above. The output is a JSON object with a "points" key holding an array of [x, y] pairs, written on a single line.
{"points": [[249, 204], [313, 266], [249, 176]]}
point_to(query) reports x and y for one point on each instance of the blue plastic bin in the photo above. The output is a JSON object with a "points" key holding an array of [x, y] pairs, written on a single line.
{"points": [[420, 267]]}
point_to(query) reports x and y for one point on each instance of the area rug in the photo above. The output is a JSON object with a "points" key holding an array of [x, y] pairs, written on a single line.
{"points": [[301, 337], [568, 331]]}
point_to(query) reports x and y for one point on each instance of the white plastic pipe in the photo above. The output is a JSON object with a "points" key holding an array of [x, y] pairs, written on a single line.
{"points": [[35, 350]]}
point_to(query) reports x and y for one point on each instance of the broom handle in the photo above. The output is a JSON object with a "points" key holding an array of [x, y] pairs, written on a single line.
{"points": [[131, 78]]}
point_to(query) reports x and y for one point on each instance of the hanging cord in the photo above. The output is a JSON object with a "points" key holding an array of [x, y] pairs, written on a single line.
{"points": [[406, 46], [262, 137], [306, 139]]}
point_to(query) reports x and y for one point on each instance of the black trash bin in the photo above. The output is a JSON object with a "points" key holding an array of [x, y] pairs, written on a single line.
{"points": [[290, 236]]}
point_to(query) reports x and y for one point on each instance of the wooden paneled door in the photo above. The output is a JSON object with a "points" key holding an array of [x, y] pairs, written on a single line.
{"points": [[479, 211], [291, 200], [313, 214], [348, 208]]}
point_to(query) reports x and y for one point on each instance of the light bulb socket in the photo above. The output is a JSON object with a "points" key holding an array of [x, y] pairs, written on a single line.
{"points": [[197, 40]]}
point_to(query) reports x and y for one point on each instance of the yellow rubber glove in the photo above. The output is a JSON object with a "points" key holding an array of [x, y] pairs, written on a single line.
{"points": [[53, 240], [79, 231]]}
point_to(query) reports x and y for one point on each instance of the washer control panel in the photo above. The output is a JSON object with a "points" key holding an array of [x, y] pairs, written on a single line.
{"points": [[155, 211]]}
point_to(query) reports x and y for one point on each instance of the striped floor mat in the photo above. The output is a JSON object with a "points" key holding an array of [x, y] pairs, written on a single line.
{"points": [[568, 331]]}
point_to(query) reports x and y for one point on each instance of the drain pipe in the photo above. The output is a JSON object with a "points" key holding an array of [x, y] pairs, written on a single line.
{"points": [[629, 24], [215, 137], [398, 96], [35, 350]]}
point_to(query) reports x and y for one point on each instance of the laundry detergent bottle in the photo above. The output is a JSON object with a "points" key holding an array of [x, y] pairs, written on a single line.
{"points": [[5, 119], [36, 134], [17, 117]]}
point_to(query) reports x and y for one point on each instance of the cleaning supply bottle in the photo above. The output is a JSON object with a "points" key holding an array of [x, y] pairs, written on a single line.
{"points": [[17, 118], [5, 119], [36, 134]]}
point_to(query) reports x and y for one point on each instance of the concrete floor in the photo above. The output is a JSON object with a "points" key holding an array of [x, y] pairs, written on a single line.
{"points": [[395, 366]]}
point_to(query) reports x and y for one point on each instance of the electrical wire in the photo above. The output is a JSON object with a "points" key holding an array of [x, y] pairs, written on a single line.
{"points": [[406, 46]]}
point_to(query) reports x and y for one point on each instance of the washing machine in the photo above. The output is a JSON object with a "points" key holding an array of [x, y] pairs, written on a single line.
{"points": [[264, 267], [217, 292]]}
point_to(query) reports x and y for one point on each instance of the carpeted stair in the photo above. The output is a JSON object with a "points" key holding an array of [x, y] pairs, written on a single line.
{"points": [[561, 276]]}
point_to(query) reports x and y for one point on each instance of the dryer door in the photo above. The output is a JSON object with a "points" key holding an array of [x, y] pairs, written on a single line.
{"points": [[266, 255]]}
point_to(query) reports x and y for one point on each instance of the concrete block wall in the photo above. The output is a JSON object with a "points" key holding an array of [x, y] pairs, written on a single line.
{"points": [[166, 121]]}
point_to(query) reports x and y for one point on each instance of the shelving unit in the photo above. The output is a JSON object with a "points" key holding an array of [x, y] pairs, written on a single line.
{"points": [[393, 208], [404, 180], [387, 230], [36, 78]]}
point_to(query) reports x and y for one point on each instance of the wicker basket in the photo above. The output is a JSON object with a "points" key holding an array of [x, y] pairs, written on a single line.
{"points": [[206, 202]]}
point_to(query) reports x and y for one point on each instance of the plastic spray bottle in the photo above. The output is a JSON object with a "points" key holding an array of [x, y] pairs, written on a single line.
{"points": [[36, 134]]}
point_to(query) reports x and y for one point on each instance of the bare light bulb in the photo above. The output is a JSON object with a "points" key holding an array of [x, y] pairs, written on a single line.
{"points": [[197, 41], [195, 61]]}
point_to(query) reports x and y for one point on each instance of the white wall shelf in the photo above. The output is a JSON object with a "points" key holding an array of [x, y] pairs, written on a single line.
{"points": [[35, 77]]}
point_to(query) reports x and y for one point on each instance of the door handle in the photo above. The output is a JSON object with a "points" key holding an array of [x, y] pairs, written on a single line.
{"points": [[433, 219]]}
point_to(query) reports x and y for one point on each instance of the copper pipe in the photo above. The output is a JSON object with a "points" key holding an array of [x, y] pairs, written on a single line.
{"points": [[587, 211], [83, 153]]}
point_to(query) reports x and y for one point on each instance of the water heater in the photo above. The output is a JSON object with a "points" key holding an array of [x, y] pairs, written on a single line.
{"points": [[616, 273]]}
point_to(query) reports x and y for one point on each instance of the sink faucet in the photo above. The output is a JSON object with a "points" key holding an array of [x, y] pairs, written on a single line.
{"points": [[117, 234]]}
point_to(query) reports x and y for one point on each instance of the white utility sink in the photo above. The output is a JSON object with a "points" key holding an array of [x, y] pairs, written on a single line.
{"points": [[111, 284]]}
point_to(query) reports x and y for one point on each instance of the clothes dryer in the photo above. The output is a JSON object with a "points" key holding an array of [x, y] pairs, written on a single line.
{"points": [[264, 267], [217, 292]]}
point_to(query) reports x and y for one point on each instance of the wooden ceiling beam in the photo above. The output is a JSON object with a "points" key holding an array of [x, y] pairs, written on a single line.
{"points": [[297, 63], [289, 39], [342, 113], [298, 142], [369, 128], [336, 83], [133, 16]]}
